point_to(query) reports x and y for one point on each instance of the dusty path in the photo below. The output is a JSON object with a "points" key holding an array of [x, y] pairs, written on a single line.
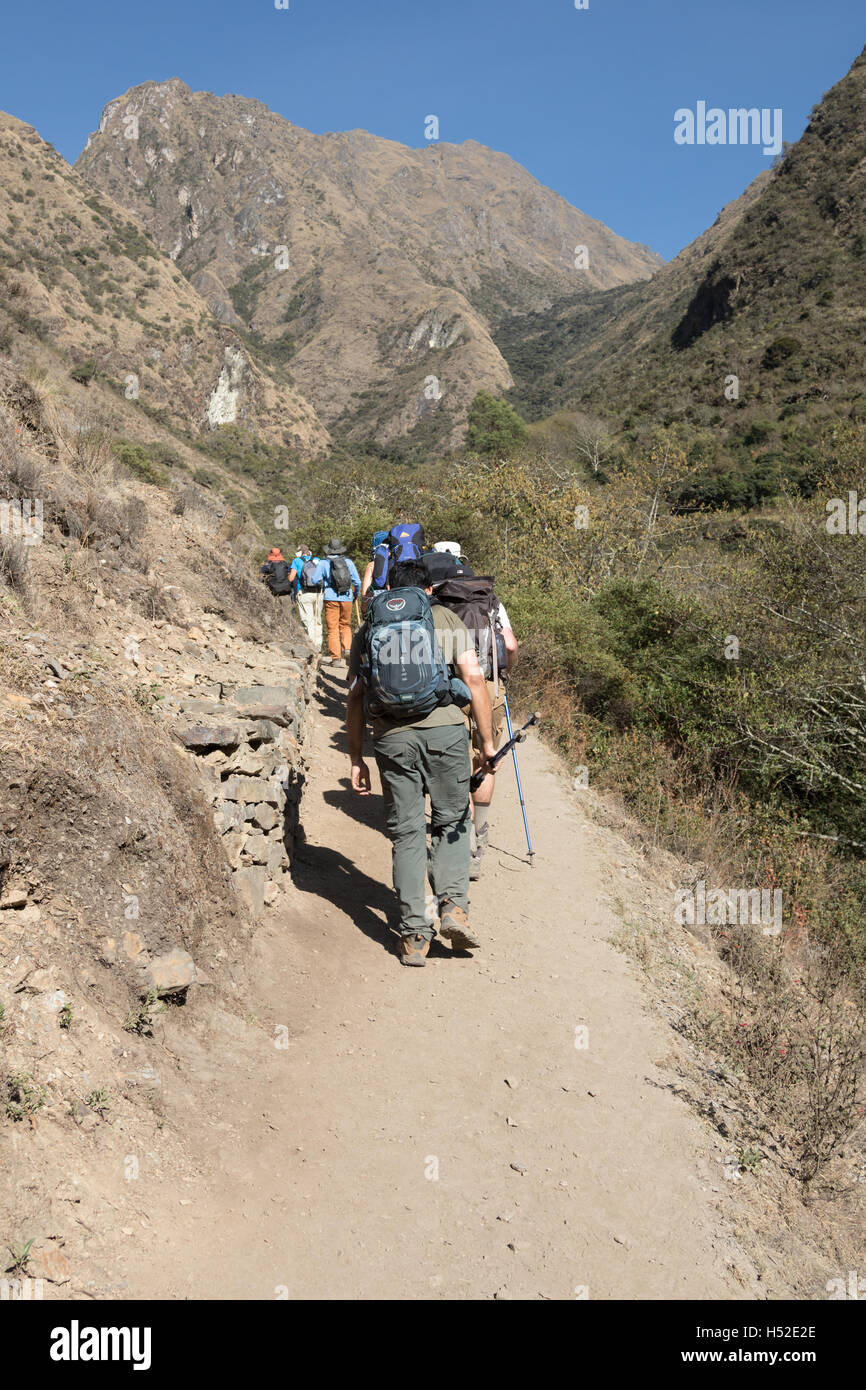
{"points": [[372, 1156]]}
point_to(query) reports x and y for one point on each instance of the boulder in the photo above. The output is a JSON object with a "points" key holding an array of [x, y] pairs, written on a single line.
{"points": [[228, 816], [265, 816], [251, 790], [174, 971], [14, 895], [276, 855], [250, 885], [199, 737], [263, 731], [256, 848], [234, 844], [281, 714], [265, 695], [199, 707], [247, 761]]}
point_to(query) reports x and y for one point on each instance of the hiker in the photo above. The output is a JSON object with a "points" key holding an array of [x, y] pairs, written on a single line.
{"points": [[342, 584], [275, 557], [411, 668], [446, 561], [308, 591], [404, 542], [379, 538], [276, 573], [473, 599]]}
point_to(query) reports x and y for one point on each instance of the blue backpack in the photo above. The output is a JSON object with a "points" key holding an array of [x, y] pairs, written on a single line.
{"points": [[402, 665], [405, 541]]}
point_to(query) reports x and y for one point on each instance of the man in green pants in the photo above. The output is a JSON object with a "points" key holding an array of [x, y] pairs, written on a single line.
{"points": [[421, 755]]}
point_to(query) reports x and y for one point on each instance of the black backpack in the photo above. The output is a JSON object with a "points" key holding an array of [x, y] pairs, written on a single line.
{"points": [[475, 603], [278, 580], [341, 576], [441, 565]]}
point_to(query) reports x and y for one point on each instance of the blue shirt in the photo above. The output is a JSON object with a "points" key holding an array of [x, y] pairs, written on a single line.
{"points": [[323, 573], [297, 565]]}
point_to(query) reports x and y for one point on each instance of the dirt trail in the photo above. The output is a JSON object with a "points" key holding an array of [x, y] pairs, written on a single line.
{"points": [[321, 1158]]}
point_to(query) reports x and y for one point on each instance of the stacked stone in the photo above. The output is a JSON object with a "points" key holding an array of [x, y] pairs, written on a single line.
{"points": [[250, 742]]}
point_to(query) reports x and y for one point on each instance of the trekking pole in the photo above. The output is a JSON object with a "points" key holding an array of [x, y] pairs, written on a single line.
{"points": [[478, 777], [517, 774]]}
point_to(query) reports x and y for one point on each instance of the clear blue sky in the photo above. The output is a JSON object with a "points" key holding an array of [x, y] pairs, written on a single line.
{"points": [[584, 99]]}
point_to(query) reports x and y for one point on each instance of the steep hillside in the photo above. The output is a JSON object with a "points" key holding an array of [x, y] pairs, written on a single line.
{"points": [[79, 273], [394, 260], [774, 293]]}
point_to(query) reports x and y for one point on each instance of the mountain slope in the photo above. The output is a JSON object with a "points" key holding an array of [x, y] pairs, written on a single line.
{"points": [[774, 292], [397, 258], [79, 273]]}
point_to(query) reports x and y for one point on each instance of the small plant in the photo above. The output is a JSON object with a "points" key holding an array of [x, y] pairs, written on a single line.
{"points": [[751, 1160], [20, 1258], [99, 1101], [140, 1018], [146, 696], [65, 1018], [22, 1097]]}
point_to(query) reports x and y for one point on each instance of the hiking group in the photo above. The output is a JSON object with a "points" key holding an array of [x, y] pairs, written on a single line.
{"points": [[427, 669], [325, 586]]}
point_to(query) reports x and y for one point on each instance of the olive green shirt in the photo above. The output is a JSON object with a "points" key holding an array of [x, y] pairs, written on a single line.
{"points": [[455, 640]]}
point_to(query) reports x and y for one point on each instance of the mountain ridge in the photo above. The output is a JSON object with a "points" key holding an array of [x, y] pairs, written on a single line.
{"points": [[398, 257]]}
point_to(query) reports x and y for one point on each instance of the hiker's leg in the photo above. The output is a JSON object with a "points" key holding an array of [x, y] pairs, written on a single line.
{"points": [[484, 795], [397, 757], [332, 622], [346, 627], [307, 612], [446, 772]]}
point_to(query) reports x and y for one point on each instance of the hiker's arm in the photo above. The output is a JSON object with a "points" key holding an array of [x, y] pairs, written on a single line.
{"points": [[470, 672], [355, 730], [510, 647]]}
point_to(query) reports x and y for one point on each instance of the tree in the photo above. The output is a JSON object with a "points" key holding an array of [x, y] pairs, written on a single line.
{"points": [[494, 428]]}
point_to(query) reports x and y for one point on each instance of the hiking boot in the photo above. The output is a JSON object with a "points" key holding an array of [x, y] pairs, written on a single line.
{"points": [[454, 926], [414, 948]]}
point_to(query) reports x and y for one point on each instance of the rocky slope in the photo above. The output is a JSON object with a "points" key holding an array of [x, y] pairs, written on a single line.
{"points": [[76, 271], [370, 267], [153, 730], [774, 292]]}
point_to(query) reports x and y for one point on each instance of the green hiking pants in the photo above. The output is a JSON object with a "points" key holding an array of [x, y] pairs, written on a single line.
{"points": [[411, 762]]}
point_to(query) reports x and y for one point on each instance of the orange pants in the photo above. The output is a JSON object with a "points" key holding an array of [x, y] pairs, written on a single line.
{"points": [[338, 621]]}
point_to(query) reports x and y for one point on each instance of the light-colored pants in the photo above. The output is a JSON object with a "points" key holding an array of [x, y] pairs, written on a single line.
{"points": [[310, 614], [338, 620]]}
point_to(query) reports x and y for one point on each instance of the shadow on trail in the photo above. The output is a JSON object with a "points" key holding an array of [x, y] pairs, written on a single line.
{"points": [[327, 874], [330, 698], [367, 810]]}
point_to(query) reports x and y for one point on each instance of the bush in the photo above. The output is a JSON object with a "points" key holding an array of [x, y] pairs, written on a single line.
{"points": [[780, 350], [495, 428], [140, 463], [84, 372]]}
